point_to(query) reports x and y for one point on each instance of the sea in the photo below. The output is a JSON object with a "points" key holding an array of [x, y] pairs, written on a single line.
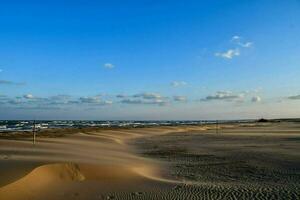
{"points": [[27, 125]]}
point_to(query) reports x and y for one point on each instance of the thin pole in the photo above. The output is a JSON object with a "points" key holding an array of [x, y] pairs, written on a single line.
{"points": [[217, 128], [33, 132]]}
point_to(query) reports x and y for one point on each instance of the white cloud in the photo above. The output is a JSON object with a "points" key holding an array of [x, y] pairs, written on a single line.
{"points": [[121, 96], [256, 99], [160, 102], [236, 38], [148, 95], [180, 98], [239, 41], [178, 83], [246, 45], [109, 65], [224, 95], [132, 101], [145, 98], [95, 100], [28, 101], [28, 96], [229, 54], [108, 102]]}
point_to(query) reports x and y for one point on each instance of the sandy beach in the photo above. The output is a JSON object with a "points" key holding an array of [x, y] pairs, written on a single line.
{"points": [[239, 161], [150, 100]]}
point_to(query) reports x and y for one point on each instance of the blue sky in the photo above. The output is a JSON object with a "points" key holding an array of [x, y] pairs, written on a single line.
{"points": [[149, 59]]}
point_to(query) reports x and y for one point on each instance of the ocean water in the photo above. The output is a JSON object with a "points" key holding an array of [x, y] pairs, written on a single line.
{"points": [[27, 125]]}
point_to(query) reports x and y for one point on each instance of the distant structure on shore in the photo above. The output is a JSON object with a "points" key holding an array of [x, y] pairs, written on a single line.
{"points": [[262, 120]]}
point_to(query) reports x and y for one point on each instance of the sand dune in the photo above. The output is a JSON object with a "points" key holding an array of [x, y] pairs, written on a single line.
{"points": [[242, 161], [37, 183], [101, 157]]}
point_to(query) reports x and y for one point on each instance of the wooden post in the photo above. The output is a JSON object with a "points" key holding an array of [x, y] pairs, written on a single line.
{"points": [[33, 132]]}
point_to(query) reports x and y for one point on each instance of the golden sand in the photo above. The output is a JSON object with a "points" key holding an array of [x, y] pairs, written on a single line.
{"points": [[153, 163]]}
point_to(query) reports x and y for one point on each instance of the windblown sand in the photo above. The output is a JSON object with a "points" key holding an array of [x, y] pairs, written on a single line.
{"points": [[241, 161]]}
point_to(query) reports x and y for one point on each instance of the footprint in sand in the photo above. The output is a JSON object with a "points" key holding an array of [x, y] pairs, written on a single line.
{"points": [[136, 193], [110, 197], [177, 187], [76, 194]]}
